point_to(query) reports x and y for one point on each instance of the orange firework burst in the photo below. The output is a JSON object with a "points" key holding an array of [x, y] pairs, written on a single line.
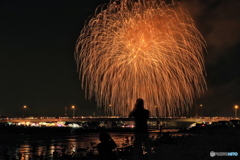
{"points": [[146, 49]]}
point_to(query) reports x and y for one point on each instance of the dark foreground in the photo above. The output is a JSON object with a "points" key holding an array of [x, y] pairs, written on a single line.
{"points": [[193, 144]]}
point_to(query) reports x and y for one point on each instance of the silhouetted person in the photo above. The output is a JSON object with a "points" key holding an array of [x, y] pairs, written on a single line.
{"points": [[141, 116], [166, 138], [105, 148]]}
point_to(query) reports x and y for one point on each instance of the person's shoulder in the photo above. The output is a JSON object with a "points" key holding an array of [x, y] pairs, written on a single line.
{"points": [[145, 110], [99, 145]]}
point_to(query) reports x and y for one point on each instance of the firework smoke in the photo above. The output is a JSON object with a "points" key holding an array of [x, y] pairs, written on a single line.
{"points": [[148, 49]]}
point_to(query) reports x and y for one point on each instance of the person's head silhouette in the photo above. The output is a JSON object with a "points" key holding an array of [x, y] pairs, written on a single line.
{"points": [[139, 103], [104, 137]]}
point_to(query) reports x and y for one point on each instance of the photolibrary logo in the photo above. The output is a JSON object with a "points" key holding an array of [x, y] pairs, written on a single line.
{"points": [[213, 154]]}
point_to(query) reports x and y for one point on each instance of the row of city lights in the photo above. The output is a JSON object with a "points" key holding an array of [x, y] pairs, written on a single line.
{"points": [[235, 107], [73, 108], [25, 107], [201, 106]]}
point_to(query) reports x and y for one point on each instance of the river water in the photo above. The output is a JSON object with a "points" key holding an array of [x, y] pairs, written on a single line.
{"points": [[26, 147]]}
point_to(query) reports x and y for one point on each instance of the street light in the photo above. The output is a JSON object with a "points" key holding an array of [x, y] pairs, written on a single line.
{"points": [[236, 107], [73, 108], [24, 108], [201, 106], [109, 114]]}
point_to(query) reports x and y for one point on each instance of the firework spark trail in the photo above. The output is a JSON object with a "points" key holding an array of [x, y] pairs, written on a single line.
{"points": [[150, 50]]}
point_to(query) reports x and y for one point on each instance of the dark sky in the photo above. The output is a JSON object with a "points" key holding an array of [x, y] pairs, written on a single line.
{"points": [[37, 67]]}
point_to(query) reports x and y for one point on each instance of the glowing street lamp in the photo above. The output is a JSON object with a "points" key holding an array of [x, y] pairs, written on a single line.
{"points": [[110, 113], [201, 106], [236, 108], [73, 108], [24, 108]]}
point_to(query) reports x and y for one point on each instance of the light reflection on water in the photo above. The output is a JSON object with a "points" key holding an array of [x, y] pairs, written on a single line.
{"points": [[25, 147]]}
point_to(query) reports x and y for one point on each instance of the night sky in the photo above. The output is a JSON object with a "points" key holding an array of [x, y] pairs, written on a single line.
{"points": [[37, 66]]}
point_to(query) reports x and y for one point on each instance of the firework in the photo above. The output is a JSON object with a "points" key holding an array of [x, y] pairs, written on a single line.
{"points": [[148, 49]]}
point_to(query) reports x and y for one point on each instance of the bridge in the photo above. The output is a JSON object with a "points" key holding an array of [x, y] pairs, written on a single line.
{"points": [[168, 122], [112, 119], [80, 119]]}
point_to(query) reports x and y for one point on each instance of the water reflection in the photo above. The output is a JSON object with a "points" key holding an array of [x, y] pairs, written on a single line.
{"points": [[24, 151], [44, 147], [27, 147]]}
